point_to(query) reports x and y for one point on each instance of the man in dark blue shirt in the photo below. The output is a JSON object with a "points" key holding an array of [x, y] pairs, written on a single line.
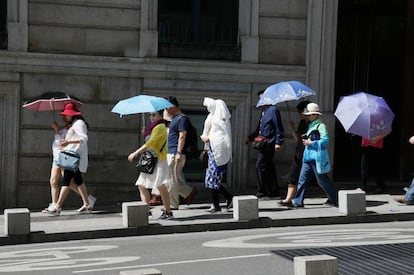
{"points": [[270, 126], [175, 157], [272, 129]]}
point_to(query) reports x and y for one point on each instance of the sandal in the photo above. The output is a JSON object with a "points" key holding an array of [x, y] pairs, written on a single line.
{"points": [[86, 208], [52, 211]]}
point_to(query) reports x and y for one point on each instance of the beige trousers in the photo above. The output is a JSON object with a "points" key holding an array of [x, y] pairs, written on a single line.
{"points": [[178, 185]]}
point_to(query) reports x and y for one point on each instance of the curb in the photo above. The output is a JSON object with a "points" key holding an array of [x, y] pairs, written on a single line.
{"points": [[157, 229]]}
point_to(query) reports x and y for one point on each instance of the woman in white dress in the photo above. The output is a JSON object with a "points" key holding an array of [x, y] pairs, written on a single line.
{"points": [[76, 139]]}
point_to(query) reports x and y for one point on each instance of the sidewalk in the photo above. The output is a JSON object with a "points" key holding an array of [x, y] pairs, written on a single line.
{"points": [[195, 218]]}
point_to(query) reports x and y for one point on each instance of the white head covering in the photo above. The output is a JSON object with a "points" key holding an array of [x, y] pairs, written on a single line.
{"points": [[210, 104], [218, 129], [217, 108]]}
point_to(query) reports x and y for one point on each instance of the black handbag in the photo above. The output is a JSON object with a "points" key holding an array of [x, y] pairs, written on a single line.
{"points": [[146, 163], [259, 142], [204, 158]]}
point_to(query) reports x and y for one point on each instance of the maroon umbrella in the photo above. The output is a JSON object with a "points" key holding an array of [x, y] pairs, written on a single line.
{"points": [[50, 101]]}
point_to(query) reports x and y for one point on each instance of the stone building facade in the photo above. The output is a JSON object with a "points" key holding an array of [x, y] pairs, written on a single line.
{"points": [[102, 51]]}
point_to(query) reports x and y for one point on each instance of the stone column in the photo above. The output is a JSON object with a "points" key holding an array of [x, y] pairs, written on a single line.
{"points": [[17, 27], [249, 30], [148, 37], [321, 50], [9, 122]]}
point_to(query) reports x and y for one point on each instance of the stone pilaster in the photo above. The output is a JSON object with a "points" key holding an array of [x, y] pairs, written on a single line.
{"points": [[17, 26], [249, 30]]}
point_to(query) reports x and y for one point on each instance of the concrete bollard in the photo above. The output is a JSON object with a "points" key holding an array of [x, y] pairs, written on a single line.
{"points": [[134, 214], [245, 207], [17, 221], [316, 265], [352, 202], [149, 271]]}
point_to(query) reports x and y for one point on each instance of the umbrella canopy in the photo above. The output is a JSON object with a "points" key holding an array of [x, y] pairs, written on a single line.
{"points": [[50, 101], [365, 115], [284, 91], [140, 104]]}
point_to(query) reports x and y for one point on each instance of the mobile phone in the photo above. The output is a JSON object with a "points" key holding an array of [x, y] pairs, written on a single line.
{"points": [[304, 136]]}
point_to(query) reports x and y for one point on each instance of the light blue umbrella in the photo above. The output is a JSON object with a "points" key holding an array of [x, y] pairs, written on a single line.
{"points": [[284, 91], [140, 104]]}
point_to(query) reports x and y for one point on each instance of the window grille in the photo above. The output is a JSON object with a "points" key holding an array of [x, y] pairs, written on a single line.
{"points": [[204, 29]]}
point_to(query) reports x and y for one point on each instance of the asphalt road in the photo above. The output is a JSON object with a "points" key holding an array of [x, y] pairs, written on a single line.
{"points": [[375, 248]]}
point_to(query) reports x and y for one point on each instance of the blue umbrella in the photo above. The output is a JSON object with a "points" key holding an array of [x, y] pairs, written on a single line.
{"points": [[365, 115], [284, 91], [140, 104]]}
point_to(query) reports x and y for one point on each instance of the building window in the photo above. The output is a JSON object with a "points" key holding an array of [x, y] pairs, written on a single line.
{"points": [[202, 29], [3, 24]]}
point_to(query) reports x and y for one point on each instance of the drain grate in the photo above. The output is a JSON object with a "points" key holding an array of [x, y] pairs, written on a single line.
{"points": [[392, 259]]}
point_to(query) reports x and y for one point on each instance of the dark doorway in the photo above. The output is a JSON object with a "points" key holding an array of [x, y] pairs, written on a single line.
{"points": [[370, 57], [3, 24]]}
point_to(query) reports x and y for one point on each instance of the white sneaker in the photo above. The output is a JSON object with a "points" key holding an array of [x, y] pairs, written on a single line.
{"points": [[92, 201]]}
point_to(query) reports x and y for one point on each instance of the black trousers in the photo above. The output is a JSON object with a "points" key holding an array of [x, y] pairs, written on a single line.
{"points": [[266, 173], [372, 164], [215, 193]]}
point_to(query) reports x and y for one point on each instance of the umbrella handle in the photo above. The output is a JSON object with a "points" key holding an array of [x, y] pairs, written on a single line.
{"points": [[52, 105], [288, 111], [143, 122]]}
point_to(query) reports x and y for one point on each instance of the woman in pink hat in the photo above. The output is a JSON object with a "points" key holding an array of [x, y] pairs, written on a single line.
{"points": [[76, 140]]}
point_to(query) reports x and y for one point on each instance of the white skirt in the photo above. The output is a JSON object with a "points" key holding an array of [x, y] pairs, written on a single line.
{"points": [[159, 177]]}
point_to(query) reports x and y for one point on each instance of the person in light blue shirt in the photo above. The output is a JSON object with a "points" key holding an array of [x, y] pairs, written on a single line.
{"points": [[315, 158]]}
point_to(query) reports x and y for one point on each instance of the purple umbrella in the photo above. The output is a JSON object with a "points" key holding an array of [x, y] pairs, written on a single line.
{"points": [[365, 115]]}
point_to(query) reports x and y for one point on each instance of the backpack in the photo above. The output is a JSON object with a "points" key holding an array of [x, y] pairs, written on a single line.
{"points": [[190, 149]]}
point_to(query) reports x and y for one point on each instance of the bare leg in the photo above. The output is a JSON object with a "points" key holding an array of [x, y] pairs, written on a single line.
{"points": [[83, 192], [291, 191], [75, 189], [143, 192], [165, 196], [64, 191], [55, 175]]}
